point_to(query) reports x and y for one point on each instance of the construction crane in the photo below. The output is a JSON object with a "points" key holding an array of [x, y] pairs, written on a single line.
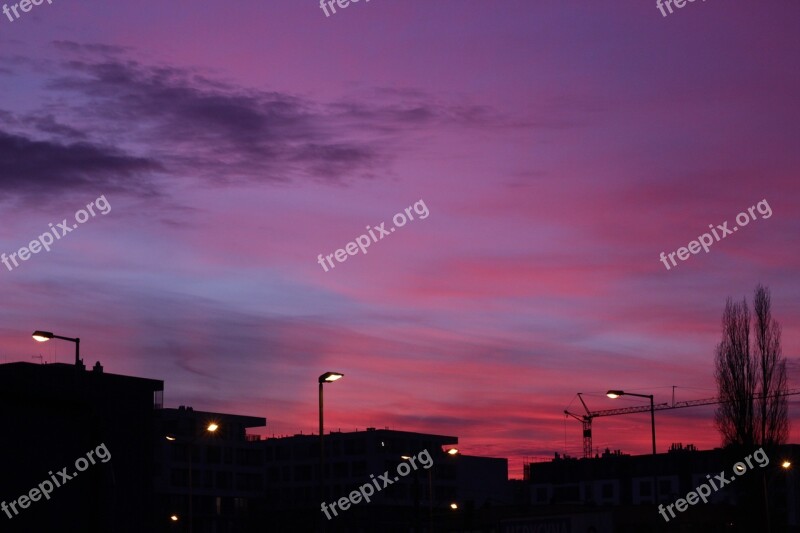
{"points": [[586, 420]]}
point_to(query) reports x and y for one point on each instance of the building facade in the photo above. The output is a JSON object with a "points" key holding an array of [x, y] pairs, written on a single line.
{"points": [[637, 490], [179, 470], [219, 470], [54, 415]]}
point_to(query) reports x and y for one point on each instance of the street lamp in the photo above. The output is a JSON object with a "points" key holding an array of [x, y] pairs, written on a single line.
{"points": [[212, 427], [44, 336], [417, 498], [617, 393], [327, 377], [452, 452], [785, 465]]}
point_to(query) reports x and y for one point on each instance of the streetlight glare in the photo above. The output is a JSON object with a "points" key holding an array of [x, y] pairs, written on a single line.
{"points": [[174, 518], [786, 464], [170, 437], [614, 393], [452, 451], [454, 506], [42, 336], [330, 376], [212, 427]]}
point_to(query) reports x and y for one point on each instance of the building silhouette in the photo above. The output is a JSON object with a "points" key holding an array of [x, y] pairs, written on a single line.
{"points": [[56, 413], [622, 492], [421, 497], [169, 472], [225, 470]]}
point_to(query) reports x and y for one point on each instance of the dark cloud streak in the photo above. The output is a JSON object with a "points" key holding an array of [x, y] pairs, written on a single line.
{"points": [[217, 132], [176, 122], [31, 167]]}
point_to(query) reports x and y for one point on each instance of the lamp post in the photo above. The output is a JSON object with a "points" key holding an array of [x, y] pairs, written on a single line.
{"points": [[210, 428], [417, 520], [617, 393], [44, 336], [786, 465], [452, 452], [327, 377]]}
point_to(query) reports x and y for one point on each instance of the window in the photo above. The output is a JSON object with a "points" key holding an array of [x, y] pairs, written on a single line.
{"points": [[398, 491], [359, 468], [340, 469], [607, 490], [645, 488], [566, 493], [254, 458], [248, 482], [179, 477], [302, 473], [213, 455], [180, 452], [223, 480]]}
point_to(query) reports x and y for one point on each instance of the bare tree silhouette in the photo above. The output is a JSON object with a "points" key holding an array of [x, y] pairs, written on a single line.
{"points": [[772, 414], [751, 381]]}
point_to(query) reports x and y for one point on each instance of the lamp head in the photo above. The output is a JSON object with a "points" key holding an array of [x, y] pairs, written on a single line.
{"points": [[615, 393], [328, 377], [42, 336]]}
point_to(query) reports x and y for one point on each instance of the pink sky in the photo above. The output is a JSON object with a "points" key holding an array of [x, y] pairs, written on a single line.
{"points": [[560, 147]]}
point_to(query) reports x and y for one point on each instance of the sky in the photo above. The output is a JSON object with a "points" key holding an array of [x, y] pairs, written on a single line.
{"points": [[549, 152]]}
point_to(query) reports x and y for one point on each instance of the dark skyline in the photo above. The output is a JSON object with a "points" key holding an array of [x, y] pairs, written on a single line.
{"points": [[559, 149]]}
